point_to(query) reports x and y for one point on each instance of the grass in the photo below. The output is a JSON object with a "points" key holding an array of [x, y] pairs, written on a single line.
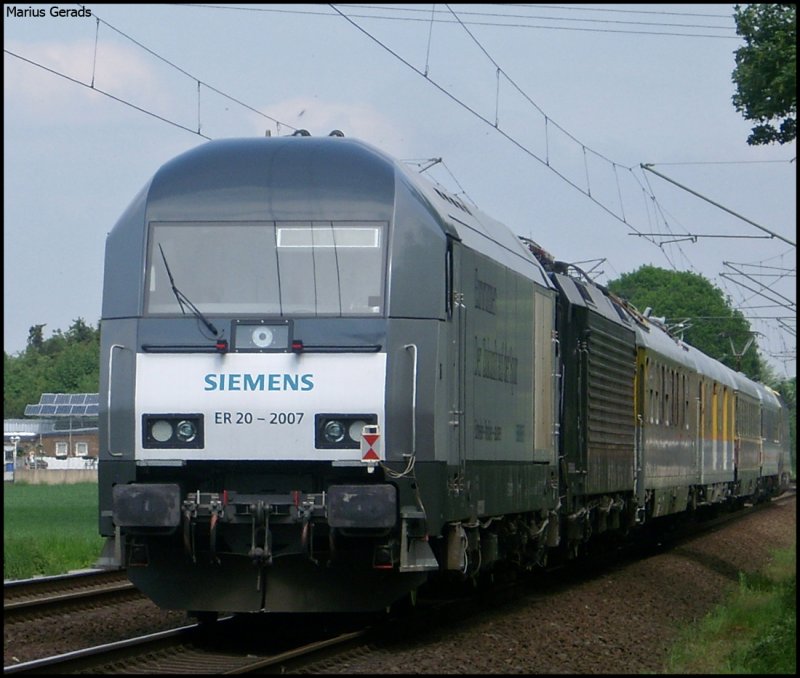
{"points": [[754, 632], [49, 529]]}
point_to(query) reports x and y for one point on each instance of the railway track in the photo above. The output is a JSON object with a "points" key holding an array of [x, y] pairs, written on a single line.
{"points": [[270, 645], [224, 647], [190, 650], [47, 596]]}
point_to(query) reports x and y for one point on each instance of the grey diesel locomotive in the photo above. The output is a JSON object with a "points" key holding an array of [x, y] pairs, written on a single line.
{"points": [[325, 381]]}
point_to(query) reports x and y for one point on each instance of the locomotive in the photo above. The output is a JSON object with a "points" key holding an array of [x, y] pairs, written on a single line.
{"points": [[326, 381]]}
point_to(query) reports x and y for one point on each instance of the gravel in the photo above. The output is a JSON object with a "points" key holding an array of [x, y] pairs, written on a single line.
{"points": [[624, 620]]}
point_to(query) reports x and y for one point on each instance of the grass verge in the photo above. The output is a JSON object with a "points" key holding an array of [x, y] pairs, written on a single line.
{"points": [[754, 631], [49, 529]]}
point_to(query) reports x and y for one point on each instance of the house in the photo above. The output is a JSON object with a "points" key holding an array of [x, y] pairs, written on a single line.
{"points": [[64, 427]]}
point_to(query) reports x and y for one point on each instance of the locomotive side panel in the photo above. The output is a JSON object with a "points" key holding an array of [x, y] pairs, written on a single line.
{"points": [[509, 376], [597, 345], [418, 424], [609, 423]]}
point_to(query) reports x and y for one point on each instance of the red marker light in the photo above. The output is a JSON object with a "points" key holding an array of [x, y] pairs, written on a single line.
{"points": [[297, 345], [222, 345]]}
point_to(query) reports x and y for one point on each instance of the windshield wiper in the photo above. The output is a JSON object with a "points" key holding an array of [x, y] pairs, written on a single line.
{"points": [[182, 298]]}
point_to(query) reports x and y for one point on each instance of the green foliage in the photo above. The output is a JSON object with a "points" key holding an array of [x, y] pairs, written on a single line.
{"points": [[713, 326], [754, 632], [67, 362], [766, 71], [49, 529]]}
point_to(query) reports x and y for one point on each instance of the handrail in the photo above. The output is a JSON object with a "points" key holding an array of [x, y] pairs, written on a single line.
{"points": [[108, 399], [413, 402]]}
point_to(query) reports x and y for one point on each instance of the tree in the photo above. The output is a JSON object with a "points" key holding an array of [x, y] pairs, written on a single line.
{"points": [[35, 338], [709, 322], [67, 362], [766, 71], [79, 331]]}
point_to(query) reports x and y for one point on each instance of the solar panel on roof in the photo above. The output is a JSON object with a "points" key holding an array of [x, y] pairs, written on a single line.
{"points": [[65, 405]]}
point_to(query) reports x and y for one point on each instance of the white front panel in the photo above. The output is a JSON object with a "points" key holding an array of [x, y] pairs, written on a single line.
{"points": [[258, 406]]}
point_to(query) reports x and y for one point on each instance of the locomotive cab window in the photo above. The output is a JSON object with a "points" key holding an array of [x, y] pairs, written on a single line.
{"points": [[266, 268], [330, 268]]}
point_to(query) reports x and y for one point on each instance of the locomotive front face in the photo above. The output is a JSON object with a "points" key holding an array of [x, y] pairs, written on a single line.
{"points": [[246, 371], [261, 391]]}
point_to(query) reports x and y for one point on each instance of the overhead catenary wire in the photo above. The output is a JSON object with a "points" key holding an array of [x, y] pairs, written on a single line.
{"points": [[675, 238], [200, 82], [489, 20], [618, 212], [772, 234]]}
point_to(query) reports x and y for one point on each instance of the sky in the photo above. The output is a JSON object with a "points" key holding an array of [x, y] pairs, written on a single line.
{"points": [[604, 132]]}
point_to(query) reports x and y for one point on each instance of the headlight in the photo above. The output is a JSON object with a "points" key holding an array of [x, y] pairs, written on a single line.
{"points": [[186, 431], [161, 430], [356, 429], [172, 431], [341, 431], [262, 335], [333, 432]]}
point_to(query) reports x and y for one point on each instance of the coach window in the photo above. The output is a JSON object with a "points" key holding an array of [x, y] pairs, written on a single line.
{"points": [[767, 427], [755, 423], [727, 414], [658, 395], [685, 392], [651, 380], [676, 399], [770, 426], [672, 398], [701, 409]]}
